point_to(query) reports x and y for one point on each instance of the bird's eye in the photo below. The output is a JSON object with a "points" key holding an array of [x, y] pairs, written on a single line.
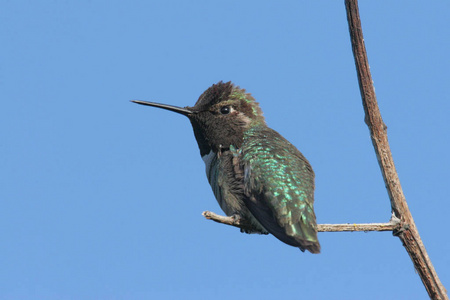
{"points": [[225, 110]]}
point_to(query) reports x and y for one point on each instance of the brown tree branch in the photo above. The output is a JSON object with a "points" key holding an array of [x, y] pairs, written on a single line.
{"points": [[392, 225], [409, 236]]}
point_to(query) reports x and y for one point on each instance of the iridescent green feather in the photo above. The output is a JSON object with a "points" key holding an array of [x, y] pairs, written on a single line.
{"points": [[279, 185]]}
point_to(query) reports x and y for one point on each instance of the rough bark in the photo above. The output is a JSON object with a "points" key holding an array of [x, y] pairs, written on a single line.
{"points": [[408, 232]]}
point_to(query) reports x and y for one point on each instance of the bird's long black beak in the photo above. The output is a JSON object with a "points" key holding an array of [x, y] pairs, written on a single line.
{"points": [[180, 110]]}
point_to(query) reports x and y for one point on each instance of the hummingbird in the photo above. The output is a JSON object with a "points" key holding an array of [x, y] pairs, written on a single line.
{"points": [[256, 174]]}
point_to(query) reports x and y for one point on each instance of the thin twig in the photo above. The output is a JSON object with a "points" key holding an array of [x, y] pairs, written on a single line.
{"points": [[366, 227], [409, 235], [240, 223], [393, 224]]}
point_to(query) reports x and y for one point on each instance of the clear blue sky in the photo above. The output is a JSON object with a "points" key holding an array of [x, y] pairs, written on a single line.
{"points": [[101, 198]]}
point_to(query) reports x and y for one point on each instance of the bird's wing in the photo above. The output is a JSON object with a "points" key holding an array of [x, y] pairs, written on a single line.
{"points": [[279, 188]]}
